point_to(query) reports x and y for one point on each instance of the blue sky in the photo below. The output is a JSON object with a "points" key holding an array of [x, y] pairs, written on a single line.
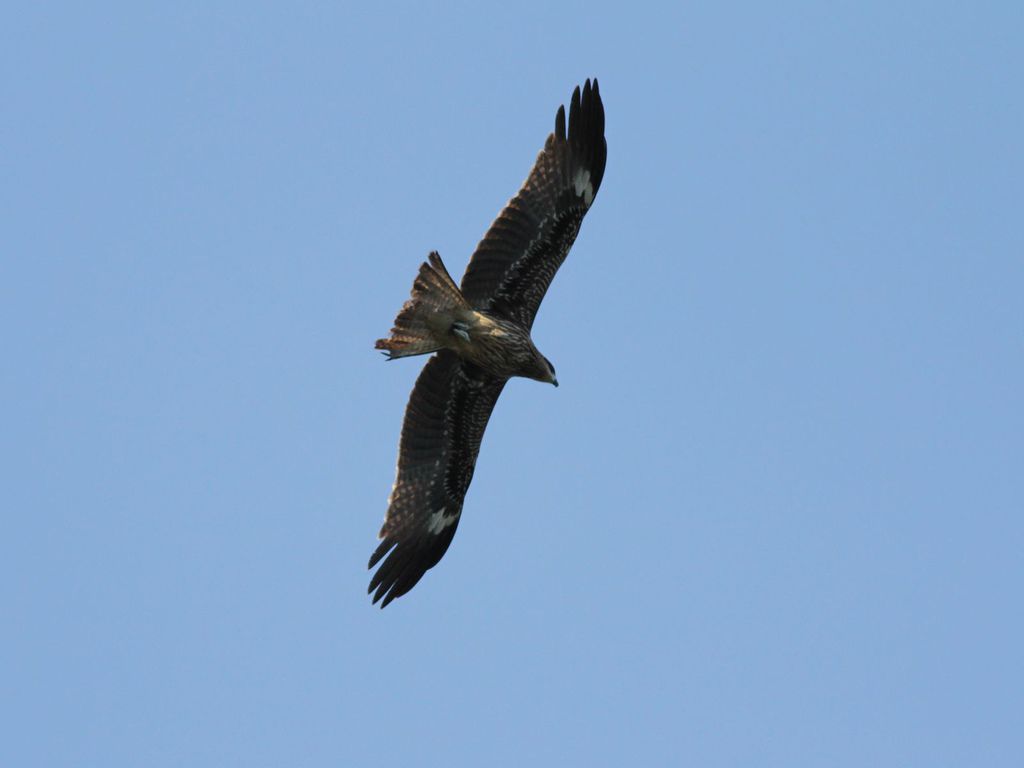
{"points": [[772, 516]]}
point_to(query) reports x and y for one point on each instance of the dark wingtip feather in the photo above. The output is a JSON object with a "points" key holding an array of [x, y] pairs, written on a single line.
{"points": [[378, 553], [585, 125], [586, 129], [597, 146], [598, 111], [407, 560], [574, 115]]}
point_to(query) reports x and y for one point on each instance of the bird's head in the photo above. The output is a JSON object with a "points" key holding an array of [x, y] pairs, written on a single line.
{"points": [[551, 372], [538, 367], [548, 372]]}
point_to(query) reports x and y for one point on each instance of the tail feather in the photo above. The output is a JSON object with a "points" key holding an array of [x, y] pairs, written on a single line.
{"points": [[423, 322]]}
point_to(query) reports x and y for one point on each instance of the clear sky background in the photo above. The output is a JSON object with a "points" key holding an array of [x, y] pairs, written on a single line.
{"points": [[772, 516]]}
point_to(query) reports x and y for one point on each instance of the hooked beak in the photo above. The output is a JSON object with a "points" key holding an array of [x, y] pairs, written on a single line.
{"points": [[555, 382]]}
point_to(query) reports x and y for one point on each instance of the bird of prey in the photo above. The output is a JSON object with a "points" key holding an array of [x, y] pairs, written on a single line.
{"points": [[479, 332]]}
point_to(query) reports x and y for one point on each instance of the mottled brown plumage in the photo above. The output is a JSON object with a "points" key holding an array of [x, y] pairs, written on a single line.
{"points": [[480, 332]]}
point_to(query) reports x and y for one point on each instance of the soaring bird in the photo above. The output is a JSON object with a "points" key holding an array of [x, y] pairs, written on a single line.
{"points": [[479, 332]]}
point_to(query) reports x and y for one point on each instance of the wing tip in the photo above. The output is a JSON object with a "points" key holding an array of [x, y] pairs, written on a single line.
{"points": [[408, 559], [560, 123], [586, 114], [381, 550], [586, 129]]}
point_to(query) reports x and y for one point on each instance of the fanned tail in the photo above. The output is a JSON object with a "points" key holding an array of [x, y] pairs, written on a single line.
{"points": [[423, 323]]}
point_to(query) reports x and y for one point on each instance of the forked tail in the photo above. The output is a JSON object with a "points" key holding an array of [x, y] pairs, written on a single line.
{"points": [[424, 321]]}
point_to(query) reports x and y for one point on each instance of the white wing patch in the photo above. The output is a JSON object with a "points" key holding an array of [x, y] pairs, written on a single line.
{"points": [[437, 521], [582, 186]]}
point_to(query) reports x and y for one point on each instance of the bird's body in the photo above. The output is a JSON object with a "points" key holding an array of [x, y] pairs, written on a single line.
{"points": [[480, 333], [438, 317], [502, 348]]}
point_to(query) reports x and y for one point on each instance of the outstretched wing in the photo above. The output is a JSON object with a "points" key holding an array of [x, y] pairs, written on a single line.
{"points": [[444, 423], [513, 265]]}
